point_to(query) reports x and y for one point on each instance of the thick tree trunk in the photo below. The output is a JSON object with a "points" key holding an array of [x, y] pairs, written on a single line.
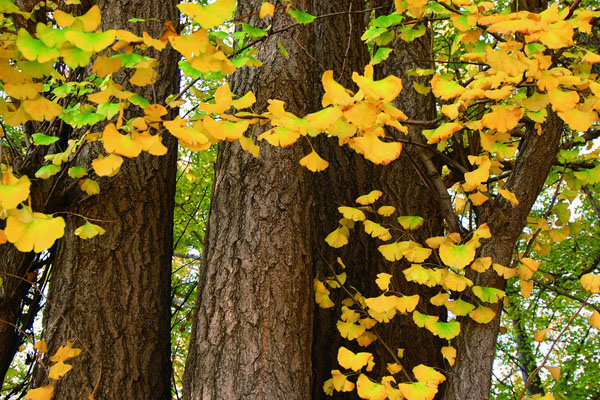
{"points": [[349, 176], [251, 337], [111, 294], [471, 375]]}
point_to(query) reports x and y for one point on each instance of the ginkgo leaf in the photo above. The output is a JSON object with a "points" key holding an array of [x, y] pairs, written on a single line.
{"points": [[338, 237], [90, 186], [459, 307], [107, 166], [41, 346], [554, 371], [590, 282], [526, 288], [540, 336], [445, 88], [417, 391], [482, 264], [443, 132], [211, 15], [488, 294], [406, 304], [33, 230], [334, 92], [89, 21], [353, 361], [579, 120], [23, 91], [457, 256], [47, 171], [381, 304], [386, 89], [89, 230], [34, 49], [502, 118], [352, 213], [43, 393], [92, 41], [409, 222], [59, 370], [383, 280], [350, 330], [458, 283], [119, 144], [267, 9], [42, 109], [449, 353], [439, 299], [386, 211], [13, 190], [376, 230], [314, 162], [341, 382], [65, 353], [594, 320], [245, 101], [367, 389], [508, 195], [427, 374], [377, 151], [370, 198], [482, 314], [105, 65], [393, 368]]}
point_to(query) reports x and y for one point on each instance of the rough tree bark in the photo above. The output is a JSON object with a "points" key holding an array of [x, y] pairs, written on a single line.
{"points": [[252, 325], [111, 294], [349, 176]]}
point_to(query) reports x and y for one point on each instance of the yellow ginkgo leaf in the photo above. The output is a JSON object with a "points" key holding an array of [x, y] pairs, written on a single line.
{"points": [[554, 371], [314, 162], [370, 198], [452, 281], [386, 211], [382, 304], [386, 89], [89, 186], [503, 271], [376, 230], [13, 191], [210, 15], [338, 238], [350, 330], [367, 389], [444, 131], [223, 101], [457, 255], [482, 264], [334, 92], [105, 65], [527, 268], [449, 353], [482, 314], [406, 304], [59, 370], [508, 195], [410, 222], [439, 299], [89, 230], [43, 393], [65, 353], [350, 360], [375, 150], [459, 307], [595, 320], [427, 374], [33, 230], [526, 288], [116, 143], [107, 166], [383, 280], [267, 9], [42, 109], [41, 346], [579, 120], [540, 336], [341, 382], [352, 213], [590, 282], [417, 390], [445, 88]]}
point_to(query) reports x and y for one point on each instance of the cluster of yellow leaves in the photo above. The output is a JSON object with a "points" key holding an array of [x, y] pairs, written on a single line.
{"points": [[56, 371]]}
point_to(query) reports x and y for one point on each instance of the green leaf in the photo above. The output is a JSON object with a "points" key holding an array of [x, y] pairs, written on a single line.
{"points": [[408, 34], [47, 171], [372, 33], [255, 33], [39, 139], [282, 49], [385, 21], [381, 54], [410, 222], [34, 49], [301, 17], [488, 294], [77, 172]]}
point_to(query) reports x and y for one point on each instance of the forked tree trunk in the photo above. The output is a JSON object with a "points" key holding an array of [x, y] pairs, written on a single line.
{"points": [[111, 294], [349, 175], [251, 335]]}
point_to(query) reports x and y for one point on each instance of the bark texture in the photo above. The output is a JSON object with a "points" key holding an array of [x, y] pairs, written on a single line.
{"points": [[111, 294], [349, 175], [252, 325]]}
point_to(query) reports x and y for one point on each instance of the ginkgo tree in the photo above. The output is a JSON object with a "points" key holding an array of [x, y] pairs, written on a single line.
{"points": [[515, 94]]}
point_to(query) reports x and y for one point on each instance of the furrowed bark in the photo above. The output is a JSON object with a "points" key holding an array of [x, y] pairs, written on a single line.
{"points": [[111, 294], [251, 336]]}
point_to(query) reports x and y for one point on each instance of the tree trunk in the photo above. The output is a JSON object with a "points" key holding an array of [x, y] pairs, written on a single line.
{"points": [[111, 294], [349, 176], [251, 336]]}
